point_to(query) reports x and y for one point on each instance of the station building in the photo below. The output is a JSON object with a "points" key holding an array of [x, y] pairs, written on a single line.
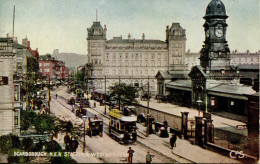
{"points": [[214, 85]]}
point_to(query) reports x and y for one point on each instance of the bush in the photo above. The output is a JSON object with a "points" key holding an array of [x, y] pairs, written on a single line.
{"points": [[27, 144], [63, 160], [27, 119], [8, 142], [56, 147], [18, 159]]}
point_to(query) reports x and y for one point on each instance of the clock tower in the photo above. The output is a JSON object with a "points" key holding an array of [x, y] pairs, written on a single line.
{"points": [[215, 53]]}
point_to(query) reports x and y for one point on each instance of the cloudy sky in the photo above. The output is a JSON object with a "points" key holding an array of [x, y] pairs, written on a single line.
{"points": [[62, 24]]}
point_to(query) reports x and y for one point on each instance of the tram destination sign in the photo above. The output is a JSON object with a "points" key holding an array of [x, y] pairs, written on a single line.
{"points": [[3, 80]]}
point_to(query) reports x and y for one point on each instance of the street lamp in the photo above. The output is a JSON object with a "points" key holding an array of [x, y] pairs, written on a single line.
{"points": [[84, 118], [199, 102], [191, 125]]}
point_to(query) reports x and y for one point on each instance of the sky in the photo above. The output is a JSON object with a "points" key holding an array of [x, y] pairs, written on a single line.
{"points": [[62, 24]]}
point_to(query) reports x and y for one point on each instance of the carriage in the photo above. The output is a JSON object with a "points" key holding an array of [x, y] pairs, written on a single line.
{"points": [[95, 126]]}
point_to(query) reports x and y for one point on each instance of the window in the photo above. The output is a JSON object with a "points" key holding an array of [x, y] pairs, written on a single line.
{"points": [[146, 63], [40, 64], [96, 61], [114, 63], [47, 70], [16, 116], [46, 64], [152, 55]]}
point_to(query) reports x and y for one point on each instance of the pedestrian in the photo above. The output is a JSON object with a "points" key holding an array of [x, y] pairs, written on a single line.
{"points": [[56, 95], [173, 140], [130, 155], [149, 157], [95, 117]]}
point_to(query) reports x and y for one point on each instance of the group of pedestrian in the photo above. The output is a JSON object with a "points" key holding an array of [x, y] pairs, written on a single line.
{"points": [[149, 156], [131, 153], [71, 144]]}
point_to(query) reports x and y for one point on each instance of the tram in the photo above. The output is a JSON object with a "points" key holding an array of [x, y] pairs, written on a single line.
{"points": [[122, 128]]}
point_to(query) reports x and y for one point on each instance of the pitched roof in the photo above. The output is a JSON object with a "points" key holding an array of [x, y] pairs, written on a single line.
{"points": [[164, 74], [237, 89], [179, 84], [248, 66]]}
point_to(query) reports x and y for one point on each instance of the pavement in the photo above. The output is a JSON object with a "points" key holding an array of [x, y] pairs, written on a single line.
{"points": [[184, 152]]}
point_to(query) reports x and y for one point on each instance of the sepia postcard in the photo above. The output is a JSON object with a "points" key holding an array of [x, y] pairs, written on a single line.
{"points": [[129, 81]]}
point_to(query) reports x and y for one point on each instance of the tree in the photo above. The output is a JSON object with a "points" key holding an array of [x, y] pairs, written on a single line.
{"points": [[124, 93], [29, 88]]}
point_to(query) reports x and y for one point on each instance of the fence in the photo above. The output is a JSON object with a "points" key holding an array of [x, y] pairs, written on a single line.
{"points": [[173, 121]]}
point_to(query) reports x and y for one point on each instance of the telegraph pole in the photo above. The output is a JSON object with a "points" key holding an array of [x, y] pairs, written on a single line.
{"points": [[105, 94], [148, 99], [49, 96], [119, 96]]}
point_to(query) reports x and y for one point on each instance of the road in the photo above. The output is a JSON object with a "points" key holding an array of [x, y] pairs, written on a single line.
{"points": [[99, 150]]}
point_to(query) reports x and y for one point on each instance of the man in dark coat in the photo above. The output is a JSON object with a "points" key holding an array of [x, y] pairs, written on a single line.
{"points": [[130, 155], [173, 140]]}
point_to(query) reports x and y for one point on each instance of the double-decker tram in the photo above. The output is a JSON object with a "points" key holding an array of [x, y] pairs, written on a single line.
{"points": [[121, 127]]}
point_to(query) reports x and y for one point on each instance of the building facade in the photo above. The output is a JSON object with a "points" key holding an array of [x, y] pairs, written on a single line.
{"points": [[9, 98], [47, 66], [131, 60], [60, 70], [246, 58], [237, 58]]}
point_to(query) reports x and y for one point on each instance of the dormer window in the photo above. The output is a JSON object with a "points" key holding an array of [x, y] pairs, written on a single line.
{"points": [[96, 32]]}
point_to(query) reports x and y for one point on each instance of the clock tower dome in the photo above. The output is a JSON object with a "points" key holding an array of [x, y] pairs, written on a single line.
{"points": [[215, 53]]}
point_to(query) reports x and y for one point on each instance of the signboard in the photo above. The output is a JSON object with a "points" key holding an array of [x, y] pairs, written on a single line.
{"points": [[115, 113], [3, 80]]}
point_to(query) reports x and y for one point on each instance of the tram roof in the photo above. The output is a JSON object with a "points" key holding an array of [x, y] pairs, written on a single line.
{"points": [[115, 113]]}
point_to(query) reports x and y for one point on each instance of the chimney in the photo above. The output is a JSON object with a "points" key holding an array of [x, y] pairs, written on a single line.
{"points": [[28, 44], [129, 36], [15, 40], [24, 42], [143, 37], [105, 29]]}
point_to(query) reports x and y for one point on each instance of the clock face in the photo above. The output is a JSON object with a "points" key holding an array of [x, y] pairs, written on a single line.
{"points": [[219, 33]]}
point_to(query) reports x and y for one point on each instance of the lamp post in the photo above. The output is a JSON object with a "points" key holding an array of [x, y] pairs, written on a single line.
{"points": [[191, 125], [199, 102], [84, 118]]}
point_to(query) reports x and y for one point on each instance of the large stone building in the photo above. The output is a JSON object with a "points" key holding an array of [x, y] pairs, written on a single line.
{"points": [[133, 60], [237, 58], [9, 86]]}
